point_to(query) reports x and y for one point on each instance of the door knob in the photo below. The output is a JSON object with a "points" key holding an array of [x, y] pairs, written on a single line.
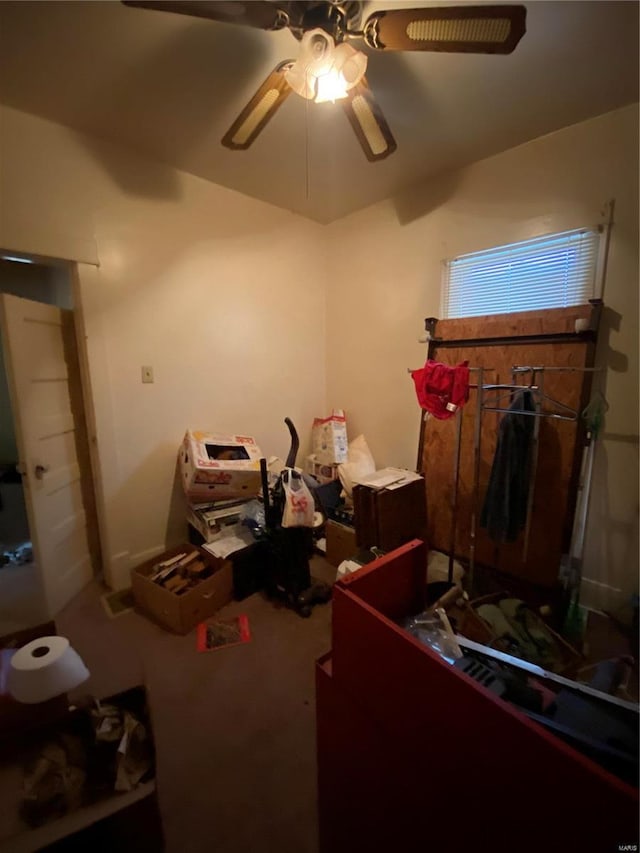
{"points": [[40, 471]]}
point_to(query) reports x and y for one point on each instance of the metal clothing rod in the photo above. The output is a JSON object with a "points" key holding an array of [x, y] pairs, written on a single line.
{"points": [[483, 403], [510, 387], [533, 470], [551, 415], [475, 491], [571, 415], [456, 475], [519, 369], [534, 669], [413, 370], [456, 483]]}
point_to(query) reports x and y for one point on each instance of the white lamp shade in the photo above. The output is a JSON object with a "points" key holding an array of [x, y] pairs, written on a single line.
{"points": [[45, 668], [324, 71], [351, 64]]}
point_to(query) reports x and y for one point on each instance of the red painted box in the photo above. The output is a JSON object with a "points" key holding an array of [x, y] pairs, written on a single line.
{"points": [[414, 754]]}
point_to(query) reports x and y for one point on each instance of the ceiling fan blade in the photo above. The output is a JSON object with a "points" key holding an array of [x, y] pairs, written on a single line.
{"points": [[256, 13], [368, 122], [453, 29], [260, 109]]}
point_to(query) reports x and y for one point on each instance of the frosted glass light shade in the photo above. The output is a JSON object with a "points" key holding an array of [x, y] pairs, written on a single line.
{"points": [[323, 70], [45, 668]]}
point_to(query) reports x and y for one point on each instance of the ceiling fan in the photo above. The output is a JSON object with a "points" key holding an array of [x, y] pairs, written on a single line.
{"points": [[329, 68]]}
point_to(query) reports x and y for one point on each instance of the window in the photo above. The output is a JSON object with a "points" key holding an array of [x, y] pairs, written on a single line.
{"points": [[554, 271]]}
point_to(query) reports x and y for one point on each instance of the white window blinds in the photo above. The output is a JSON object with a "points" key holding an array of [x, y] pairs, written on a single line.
{"points": [[554, 271]]}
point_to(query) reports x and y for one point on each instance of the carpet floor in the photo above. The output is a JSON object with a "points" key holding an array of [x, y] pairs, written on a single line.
{"points": [[234, 729]]}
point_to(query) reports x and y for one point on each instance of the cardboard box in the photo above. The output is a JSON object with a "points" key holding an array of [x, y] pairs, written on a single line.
{"points": [[322, 472], [216, 467], [212, 520], [181, 613], [329, 438]]}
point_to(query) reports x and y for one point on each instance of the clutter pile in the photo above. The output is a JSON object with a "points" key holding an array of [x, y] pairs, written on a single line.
{"points": [[290, 517], [18, 556], [237, 502], [261, 515], [100, 749], [589, 716], [322, 472], [214, 520], [220, 476], [180, 573], [369, 510], [522, 632], [503, 622], [182, 586], [336, 497]]}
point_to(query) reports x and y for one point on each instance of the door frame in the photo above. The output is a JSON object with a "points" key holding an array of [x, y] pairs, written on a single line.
{"points": [[82, 275], [76, 274]]}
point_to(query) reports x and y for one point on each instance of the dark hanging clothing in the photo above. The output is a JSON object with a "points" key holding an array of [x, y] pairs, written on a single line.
{"points": [[504, 513]]}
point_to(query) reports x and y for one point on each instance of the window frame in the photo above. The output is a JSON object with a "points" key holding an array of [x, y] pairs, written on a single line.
{"points": [[594, 267]]}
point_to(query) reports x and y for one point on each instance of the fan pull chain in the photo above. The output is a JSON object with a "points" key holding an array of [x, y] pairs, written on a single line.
{"points": [[306, 150]]}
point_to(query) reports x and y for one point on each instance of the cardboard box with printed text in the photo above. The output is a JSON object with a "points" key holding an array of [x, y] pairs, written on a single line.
{"points": [[216, 467]]}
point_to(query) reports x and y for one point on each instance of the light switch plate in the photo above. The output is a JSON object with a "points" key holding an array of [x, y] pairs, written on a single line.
{"points": [[147, 374]]}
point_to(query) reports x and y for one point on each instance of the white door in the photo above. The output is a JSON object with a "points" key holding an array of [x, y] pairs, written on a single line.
{"points": [[36, 339]]}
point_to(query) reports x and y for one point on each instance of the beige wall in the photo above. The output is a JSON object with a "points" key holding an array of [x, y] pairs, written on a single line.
{"points": [[386, 280], [222, 295], [225, 297]]}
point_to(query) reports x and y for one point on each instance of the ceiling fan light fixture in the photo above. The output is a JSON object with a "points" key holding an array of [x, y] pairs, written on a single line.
{"points": [[329, 87], [324, 71], [254, 118], [369, 125], [350, 63], [329, 69], [475, 30]]}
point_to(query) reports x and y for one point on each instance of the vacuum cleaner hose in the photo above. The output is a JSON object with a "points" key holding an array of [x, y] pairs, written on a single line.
{"points": [[295, 444]]}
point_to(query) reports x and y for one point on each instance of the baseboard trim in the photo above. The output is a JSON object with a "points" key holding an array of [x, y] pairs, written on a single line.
{"points": [[595, 595]]}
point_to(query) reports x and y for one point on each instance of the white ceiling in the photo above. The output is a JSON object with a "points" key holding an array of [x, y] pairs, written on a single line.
{"points": [[169, 86]]}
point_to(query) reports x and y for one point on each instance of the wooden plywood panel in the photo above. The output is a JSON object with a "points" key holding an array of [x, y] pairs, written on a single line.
{"points": [[558, 455], [551, 321]]}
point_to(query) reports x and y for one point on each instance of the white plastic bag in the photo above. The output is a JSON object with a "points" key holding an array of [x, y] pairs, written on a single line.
{"points": [[359, 464], [347, 567], [299, 506]]}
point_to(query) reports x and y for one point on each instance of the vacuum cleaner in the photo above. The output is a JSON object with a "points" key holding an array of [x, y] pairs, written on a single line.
{"points": [[289, 548]]}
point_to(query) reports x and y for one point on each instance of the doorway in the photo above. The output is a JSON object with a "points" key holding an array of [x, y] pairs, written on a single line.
{"points": [[28, 595]]}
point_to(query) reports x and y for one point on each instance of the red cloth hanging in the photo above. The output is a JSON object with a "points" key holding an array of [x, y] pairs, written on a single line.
{"points": [[441, 389]]}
